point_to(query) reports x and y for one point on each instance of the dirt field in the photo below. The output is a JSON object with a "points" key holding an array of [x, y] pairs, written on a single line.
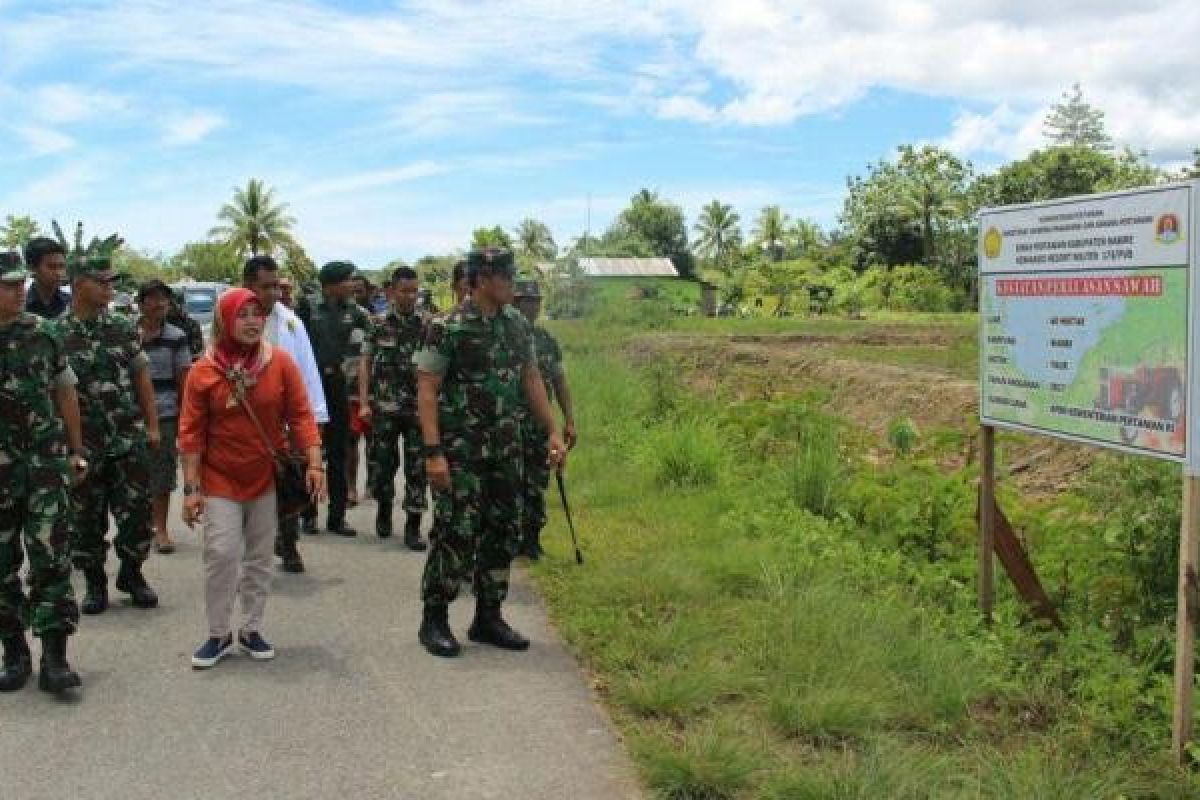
{"points": [[866, 390]]}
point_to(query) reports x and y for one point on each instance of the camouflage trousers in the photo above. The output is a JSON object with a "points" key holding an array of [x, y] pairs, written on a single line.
{"points": [[34, 520], [383, 453], [536, 480], [476, 531], [120, 484]]}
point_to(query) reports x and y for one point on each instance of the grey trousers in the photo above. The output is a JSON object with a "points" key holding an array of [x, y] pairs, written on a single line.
{"points": [[237, 535]]}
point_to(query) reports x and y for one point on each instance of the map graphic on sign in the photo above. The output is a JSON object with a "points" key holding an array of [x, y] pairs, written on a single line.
{"points": [[1084, 308]]}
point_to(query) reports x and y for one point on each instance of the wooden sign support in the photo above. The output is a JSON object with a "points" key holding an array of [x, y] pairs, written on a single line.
{"points": [[1186, 616], [987, 521]]}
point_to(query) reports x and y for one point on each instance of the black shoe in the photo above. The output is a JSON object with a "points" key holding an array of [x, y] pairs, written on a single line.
{"points": [[490, 628], [56, 674], [531, 546], [412, 532], [131, 581], [309, 526], [286, 550], [383, 520], [18, 663], [340, 529], [95, 596], [435, 633]]}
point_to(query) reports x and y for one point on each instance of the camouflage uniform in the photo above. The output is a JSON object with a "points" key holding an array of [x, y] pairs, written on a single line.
{"points": [[105, 353], [476, 529], [338, 333], [393, 381], [533, 437], [188, 324], [33, 471]]}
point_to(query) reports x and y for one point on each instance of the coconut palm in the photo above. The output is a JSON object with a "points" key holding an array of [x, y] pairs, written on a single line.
{"points": [[771, 231], [534, 241], [254, 222], [718, 233]]}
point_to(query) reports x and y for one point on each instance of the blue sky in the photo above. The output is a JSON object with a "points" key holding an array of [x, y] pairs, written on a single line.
{"points": [[394, 128]]}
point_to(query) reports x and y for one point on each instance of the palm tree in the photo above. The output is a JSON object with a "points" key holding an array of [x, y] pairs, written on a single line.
{"points": [[927, 204], [770, 231], [718, 233], [253, 221], [534, 241]]}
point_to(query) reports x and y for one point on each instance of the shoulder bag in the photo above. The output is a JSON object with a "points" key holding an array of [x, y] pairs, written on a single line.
{"points": [[291, 487]]}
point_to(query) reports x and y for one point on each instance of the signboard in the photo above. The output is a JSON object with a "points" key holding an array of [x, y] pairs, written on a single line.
{"points": [[1086, 314]]}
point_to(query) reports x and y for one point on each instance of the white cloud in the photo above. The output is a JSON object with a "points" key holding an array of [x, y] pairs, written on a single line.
{"points": [[44, 141], [190, 128], [440, 113], [374, 179], [63, 103]]}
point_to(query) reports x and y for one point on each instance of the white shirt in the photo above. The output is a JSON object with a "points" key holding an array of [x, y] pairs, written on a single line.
{"points": [[286, 331]]}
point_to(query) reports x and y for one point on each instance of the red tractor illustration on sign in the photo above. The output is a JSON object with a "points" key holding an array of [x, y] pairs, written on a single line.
{"points": [[1155, 389]]}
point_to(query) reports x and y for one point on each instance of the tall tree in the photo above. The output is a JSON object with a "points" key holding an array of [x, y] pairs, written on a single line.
{"points": [[534, 241], [1073, 122], [770, 232], [932, 194], [650, 226], [208, 261], [17, 231], [254, 222], [718, 234], [494, 236], [297, 261], [806, 239]]}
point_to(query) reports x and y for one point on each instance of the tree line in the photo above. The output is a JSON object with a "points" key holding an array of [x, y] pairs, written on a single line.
{"points": [[905, 238]]}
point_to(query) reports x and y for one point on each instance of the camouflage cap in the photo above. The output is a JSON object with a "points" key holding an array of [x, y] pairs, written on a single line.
{"points": [[493, 260], [527, 289], [11, 268], [94, 266], [336, 272]]}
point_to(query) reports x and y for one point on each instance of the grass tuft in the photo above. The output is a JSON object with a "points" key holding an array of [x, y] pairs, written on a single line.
{"points": [[708, 764]]}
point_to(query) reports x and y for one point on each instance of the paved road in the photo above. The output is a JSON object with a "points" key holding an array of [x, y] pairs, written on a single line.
{"points": [[351, 708]]}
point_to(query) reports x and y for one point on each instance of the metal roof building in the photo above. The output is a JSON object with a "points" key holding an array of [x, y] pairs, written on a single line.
{"points": [[602, 267]]}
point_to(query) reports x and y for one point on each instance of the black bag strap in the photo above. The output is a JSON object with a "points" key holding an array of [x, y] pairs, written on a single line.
{"points": [[239, 394]]}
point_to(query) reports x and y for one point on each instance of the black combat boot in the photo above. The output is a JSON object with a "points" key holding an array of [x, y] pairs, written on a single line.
{"points": [[435, 633], [131, 581], [285, 545], [383, 519], [531, 545], [18, 663], [490, 628], [95, 596], [340, 528], [56, 674], [412, 532]]}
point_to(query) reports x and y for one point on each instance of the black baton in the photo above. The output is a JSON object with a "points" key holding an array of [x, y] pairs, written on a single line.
{"points": [[562, 493]]}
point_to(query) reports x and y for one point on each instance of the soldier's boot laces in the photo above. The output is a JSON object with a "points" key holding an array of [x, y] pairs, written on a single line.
{"points": [[412, 532], [383, 519], [56, 674], [490, 628], [435, 633], [95, 596], [131, 581], [18, 663]]}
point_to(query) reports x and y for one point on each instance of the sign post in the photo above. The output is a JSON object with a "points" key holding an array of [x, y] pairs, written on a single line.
{"points": [[1088, 333]]}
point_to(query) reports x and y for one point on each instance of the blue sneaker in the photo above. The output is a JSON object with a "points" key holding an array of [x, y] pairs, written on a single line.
{"points": [[212, 651], [255, 646]]}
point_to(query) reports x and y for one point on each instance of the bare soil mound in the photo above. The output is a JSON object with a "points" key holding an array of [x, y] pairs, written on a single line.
{"points": [[868, 394]]}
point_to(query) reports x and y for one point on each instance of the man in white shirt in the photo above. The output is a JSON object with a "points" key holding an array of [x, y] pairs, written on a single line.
{"points": [[285, 331]]}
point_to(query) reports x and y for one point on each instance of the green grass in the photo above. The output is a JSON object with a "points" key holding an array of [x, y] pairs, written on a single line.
{"points": [[754, 638]]}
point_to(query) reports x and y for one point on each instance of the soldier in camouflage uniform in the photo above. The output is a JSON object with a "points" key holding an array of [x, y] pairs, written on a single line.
{"points": [[537, 475], [474, 371], [177, 315], [34, 507], [116, 400], [387, 392], [338, 328]]}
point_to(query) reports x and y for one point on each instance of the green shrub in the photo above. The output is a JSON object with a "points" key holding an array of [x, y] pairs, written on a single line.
{"points": [[815, 472], [685, 455], [902, 435]]}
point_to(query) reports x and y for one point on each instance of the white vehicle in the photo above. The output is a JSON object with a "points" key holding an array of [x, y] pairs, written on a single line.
{"points": [[200, 299]]}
